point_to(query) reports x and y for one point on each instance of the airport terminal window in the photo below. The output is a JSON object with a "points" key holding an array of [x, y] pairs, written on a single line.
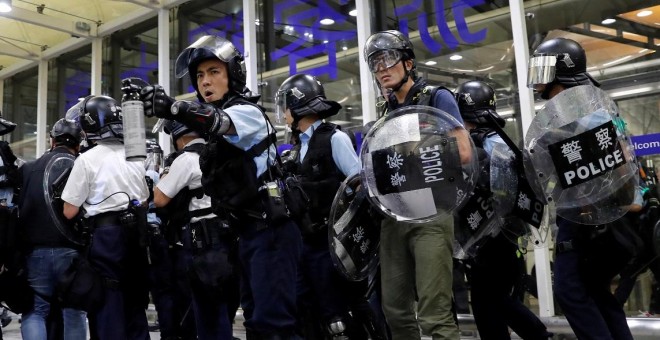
{"points": [[20, 107], [316, 37], [199, 18], [132, 52]]}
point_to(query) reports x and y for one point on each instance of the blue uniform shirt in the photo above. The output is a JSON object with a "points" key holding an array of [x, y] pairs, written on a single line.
{"points": [[251, 128]]}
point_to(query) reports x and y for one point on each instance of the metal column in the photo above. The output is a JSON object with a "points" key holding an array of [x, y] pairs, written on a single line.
{"points": [[541, 250], [250, 44], [42, 102], [164, 67], [366, 79]]}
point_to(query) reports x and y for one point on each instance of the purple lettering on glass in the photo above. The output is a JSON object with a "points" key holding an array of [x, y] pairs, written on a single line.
{"points": [[447, 37], [302, 45]]}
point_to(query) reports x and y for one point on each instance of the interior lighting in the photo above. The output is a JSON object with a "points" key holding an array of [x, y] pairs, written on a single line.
{"points": [[5, 6], [456, 57], [430, 62], [644, 13], [608, 21], [353, 12], [327, 21], [629, 92]]}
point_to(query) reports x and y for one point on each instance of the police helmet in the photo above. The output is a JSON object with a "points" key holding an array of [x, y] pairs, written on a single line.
{"points": [[6, 126], [67, 130], [388, 48], [212, 47], [476, 101], [99, 117], [175, 129], [303, 94], [560, 60]]}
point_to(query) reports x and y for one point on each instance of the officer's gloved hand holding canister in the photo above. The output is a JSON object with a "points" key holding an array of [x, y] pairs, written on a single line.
{"points": [[156, 102]]}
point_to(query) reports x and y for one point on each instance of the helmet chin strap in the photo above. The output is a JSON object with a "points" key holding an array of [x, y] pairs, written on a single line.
{"points": [[405, 78]]}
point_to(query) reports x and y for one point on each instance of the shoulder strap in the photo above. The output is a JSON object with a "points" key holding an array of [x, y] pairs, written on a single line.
{"points": [[197, 148], [260, 147]]}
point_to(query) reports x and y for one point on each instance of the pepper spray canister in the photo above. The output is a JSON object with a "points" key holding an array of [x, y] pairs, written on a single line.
{"points": [[135, 136]]}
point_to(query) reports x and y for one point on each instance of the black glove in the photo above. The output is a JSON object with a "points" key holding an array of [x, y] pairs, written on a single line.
{"points": [[156, 102]]}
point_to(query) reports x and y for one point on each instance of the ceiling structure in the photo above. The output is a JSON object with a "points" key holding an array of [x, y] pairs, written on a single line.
{"points": [[43, 29]]}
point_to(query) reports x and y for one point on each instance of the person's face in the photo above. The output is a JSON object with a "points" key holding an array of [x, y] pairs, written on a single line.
{"points": [[288, 117], [212, 79], [555, 90], [390, 77]]}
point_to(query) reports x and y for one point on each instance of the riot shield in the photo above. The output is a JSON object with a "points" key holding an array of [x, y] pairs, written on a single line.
{"points": [[656, 237], [354, 231], [512, 192], [55, 177], [475, 222], [413, 167], [582, 156]]}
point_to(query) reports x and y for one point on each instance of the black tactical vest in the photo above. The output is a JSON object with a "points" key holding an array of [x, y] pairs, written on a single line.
{"points": [[419, 94], [319, 175], [229, 174]]}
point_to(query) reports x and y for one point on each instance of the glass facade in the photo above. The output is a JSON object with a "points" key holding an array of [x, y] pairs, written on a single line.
{"points": [[455, 41]]}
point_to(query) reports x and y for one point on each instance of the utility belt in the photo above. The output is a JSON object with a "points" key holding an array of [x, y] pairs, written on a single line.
{"points": [[207, 232], [581, 237], [108, 218], [134, 219]]}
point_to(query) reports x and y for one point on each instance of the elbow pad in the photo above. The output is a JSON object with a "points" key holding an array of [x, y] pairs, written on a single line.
{"points": [[203, 118]]}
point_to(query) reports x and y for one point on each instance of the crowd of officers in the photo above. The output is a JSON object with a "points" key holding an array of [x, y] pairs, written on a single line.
{"points": [[206, 230]]}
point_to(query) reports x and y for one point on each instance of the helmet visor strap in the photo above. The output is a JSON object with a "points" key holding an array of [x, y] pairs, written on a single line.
{"points": [[541, 69], [383, 60]]}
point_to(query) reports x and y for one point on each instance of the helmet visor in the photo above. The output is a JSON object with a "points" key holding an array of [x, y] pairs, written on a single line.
{"points": [[280, 106], [541, 69], [220, 47], [382, 60]]}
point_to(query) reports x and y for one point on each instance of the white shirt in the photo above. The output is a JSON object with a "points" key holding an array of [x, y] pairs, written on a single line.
{"points": [[102, 180], [185, 172]]}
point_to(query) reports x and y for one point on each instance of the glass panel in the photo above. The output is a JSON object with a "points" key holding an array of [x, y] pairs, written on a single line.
{"points": [[132, 52], [317, 37], [20, 107]]}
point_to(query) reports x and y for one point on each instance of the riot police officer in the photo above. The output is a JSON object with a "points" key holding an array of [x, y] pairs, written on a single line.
{"points": [[495, 268], [238, 173], [52, 241], [587, 257], [109, 191], [161, 271], [8, 166], [206, 239], [410, 268], [322, 159]]}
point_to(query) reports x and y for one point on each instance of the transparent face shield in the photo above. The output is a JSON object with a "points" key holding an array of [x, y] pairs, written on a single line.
{"points": [[383, 60], [280, 107], [541, 69], [220, 47]]}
